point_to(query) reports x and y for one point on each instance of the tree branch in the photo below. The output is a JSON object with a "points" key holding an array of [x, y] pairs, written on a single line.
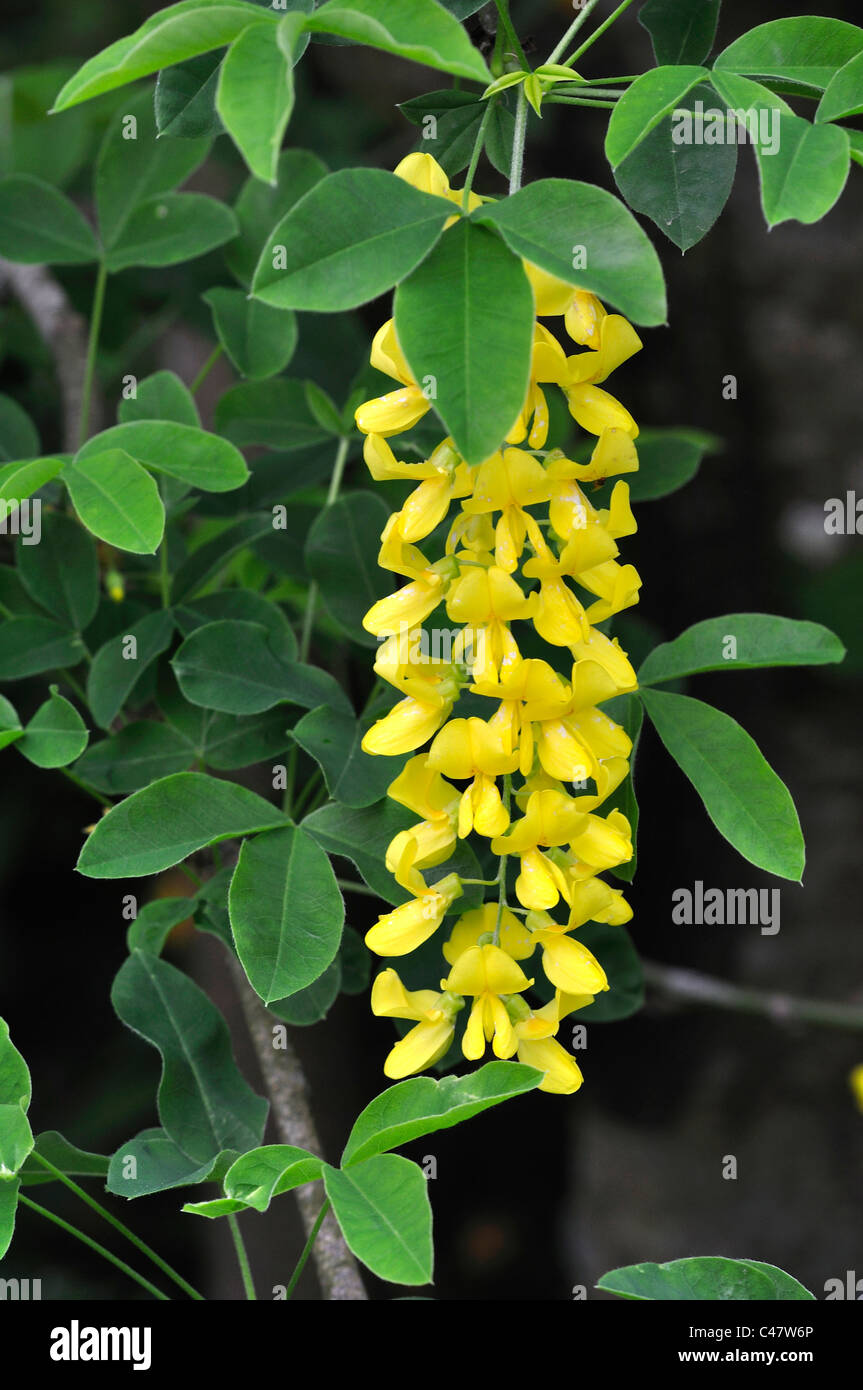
{"points": [[63, 330], [336, 1267], [693, 987]]}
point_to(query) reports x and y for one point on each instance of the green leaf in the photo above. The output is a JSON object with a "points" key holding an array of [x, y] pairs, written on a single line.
{"points": [[10, 724], [843, 95], [8, 1208], [259, 1176], [215, 554], [355, 962], [710, 1277], [29, 646], [166, 822], [549, 220], [612, 946], [255, 95], [117, 500], [643, 105], [681, 186], [286, 912], [806, 174], [341, 556], [203, 460], [138, 754], [38, 223], [19, 438], [681, 32], [134, 165], [16, 1138], [808, 49], [457, 117], [74, 1162], [56, 735], [234, 741], [155, 922], [759, 639], [464, 320], [417, 29], [62, 572], [742, 795], [422, 1106], [259, 339], [313, 1003], [245, 606], [231, 666], [160, 396], [261, 206], [185, 98], [205, 1105], [172, 227], [19, 480], [333, 739], [383, 1209], [170, 36], [363, 834], [353, 236], [151, 1162], [121, 661], [667, 460], [275, 414]]}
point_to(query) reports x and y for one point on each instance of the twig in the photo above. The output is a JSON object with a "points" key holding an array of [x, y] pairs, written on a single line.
{"points": [[63, 330], [677, 983], [283, 1076]]}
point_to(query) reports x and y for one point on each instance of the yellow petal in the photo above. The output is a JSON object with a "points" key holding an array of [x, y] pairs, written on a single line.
{"points": [[420, 1048], [562, 1074]]}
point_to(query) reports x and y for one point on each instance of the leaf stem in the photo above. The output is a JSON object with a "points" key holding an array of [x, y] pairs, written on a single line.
{"points": [[307, 1249], [92, 346], [205, 370], [518, 141], [85, 787], [557, 53], [94, 1245], [581, 101], [509, 32], [501, 871], [118, 1225], [597, 33], [242, 1257], [351, 887], [474, 159]]}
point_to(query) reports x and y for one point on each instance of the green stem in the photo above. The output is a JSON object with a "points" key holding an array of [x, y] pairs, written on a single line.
{"points": [[94, 1245], [581, 101], [361, 888], [306, 794], [190, 873], [597, 33], [92, 345], [85, 787], [474, 159], [501, 872], [518, 139], [558, 52], [311, 605], [301, 1262], [118, 1225], [242, 1257], [585, 89], [511, 36], [75, 685], [205, 370], [164, 570]]}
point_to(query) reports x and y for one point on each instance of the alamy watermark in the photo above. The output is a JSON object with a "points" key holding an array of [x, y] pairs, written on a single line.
{"points": [[22, 519], [758, 126], [700, 906]]}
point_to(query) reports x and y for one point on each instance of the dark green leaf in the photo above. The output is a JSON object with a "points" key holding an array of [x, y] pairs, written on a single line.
{"points": [[645, 103], [682, 31], [741, 641], [120, 663], [38, 223], [162, 396], [151, 1162], [272, 413], [19, 438], [417, 29], [333, 739], [56, 735], [29, 646], [465, 320], [259, 340], [260, 206], [742, 795], [139, 754], [341, 555], [172, 227], [185, 99], [62, 572], [313, 1003]]}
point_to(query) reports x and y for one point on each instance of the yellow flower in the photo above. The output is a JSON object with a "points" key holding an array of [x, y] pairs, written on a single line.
{"points": [[515, 939], [435, 1023], [562, 1073], [398, 410], [399, 932], [472, 748], [856, 1080], [487, 972]]}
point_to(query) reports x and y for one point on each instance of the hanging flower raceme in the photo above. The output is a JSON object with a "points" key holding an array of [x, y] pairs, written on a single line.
{"points": [[524, 546]]}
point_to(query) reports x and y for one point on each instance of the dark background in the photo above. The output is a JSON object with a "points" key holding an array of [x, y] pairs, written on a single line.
{"points": [[548, 1194]]}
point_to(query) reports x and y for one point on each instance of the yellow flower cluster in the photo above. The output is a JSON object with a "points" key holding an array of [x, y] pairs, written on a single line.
{"points": [[545, 729]]}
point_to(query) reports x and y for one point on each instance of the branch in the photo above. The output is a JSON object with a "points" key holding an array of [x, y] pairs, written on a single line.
{"points": [[283, 1076], [64, 331], [692, 987]]}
